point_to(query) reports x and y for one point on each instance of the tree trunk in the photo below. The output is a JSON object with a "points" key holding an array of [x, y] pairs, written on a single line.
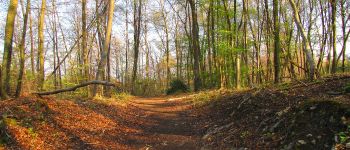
{"points": [[277, 48], [6, 62], [196, 48], [334, 35], [104, 53], [22, 52], [84, 84], [31, 43], [41, 75], [137, 28], [126, 44], [306, 43], [85, 54]]}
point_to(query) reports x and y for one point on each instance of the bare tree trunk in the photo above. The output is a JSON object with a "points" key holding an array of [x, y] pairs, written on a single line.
{"points": [[104, 53], [22, 52], [167, 48], [56, 46], [7, 56], [344, 32], [306, 43], [126, 44], [31, 43], [41, 75], [84, 84], [277, 48], [85, 54], [107, 89], [334, 35], [137, 28], [196, 48]]}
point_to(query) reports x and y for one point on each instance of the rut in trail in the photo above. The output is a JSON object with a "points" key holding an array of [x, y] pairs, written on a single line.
{"points": [[170, 124]]}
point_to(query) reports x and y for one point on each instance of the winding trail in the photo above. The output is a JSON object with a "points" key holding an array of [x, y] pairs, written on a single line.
{"points": [[169, 124]]}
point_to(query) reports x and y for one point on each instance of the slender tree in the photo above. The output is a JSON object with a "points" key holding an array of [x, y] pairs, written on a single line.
{"points": [[306, 42], [106, 44], [126, 44], [41, 74], [196, 48], [137, 32], [277, 48], [334, 35], [22, 51], [85, 54]]}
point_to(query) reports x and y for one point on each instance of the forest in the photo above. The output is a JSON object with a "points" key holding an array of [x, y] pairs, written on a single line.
{"points": [[178, 74]]}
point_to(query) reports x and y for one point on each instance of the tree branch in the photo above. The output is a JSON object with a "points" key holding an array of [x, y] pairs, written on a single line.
{"points": [[106, 83]]}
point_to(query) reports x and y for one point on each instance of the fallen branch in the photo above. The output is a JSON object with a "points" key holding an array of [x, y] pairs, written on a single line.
{"points": [[106, 83]]}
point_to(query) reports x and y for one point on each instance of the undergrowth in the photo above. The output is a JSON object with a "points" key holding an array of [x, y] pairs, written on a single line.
{"points": [[116, 98], [177, 86], [205, 97]]}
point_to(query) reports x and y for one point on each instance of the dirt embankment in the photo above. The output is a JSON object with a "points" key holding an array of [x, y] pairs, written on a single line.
{"points": [[310, 115]]}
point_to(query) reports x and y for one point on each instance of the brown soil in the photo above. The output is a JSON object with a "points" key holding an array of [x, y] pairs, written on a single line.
{"points": [[170, 124]]}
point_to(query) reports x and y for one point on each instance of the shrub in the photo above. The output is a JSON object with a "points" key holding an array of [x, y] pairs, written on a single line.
{"points": [[177, 86], [347, 88]]}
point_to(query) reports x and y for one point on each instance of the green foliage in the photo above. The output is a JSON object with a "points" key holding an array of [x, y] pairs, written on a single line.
{"points": [[343, 137], [245, 134], [116, 98], [205, 97], [4, 137], [148, 87], [176, 86], [122, 96], [347, 88], [32, 133]]}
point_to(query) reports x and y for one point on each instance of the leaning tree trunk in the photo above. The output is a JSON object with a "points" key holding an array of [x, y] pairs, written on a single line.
{"points": [[307, 49]]}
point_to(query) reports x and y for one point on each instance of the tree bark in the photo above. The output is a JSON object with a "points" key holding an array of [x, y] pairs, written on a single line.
{"points": [[306, 43], [277, 48], [137, 28], [6, 62], [104, 53], [196, 48], [334, 35], [41, 75], [22, 52], [94, 82], [85, 54], [126, 44]]}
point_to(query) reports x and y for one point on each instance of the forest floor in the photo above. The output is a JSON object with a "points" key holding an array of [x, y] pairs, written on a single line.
{"points": [[142, 123], [300, 115]]}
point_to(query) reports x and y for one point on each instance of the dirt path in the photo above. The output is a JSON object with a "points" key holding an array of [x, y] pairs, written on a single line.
{"points": [[142, 124], [169, 124]]}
